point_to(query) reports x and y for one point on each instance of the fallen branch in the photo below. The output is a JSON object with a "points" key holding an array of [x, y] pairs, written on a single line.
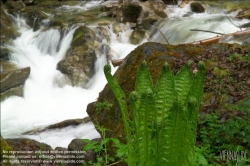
{"points": [[217, 38], [207, 31]]}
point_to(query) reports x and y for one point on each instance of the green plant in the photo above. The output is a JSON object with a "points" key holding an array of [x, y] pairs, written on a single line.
{"points": [[216, 134], [100, 106], [100, 149], [163, 129]]}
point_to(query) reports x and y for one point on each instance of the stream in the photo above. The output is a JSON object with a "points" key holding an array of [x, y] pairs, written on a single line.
{"points": [[48, 100]]}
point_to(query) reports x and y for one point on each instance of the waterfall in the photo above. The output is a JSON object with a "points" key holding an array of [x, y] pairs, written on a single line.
{"points": [[46, 100]]}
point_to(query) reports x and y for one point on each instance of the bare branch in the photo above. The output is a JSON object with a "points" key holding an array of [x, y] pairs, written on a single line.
{"points": [[207, 31], [231, 21], [164, 36]]}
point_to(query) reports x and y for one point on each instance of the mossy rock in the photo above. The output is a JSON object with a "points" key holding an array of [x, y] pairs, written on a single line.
{"points": [[83, 35], [155, 55], [137, 36], [131, 12], [4, 147], [7, 31]]}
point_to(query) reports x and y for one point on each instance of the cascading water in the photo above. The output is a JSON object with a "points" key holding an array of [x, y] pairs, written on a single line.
{"points": [[177, 28], [45, 102]]}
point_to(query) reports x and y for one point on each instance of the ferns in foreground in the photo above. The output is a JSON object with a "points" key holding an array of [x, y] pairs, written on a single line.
{"points": [[163, 129]]}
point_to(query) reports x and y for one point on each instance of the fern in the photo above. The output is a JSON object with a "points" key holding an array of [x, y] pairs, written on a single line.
{"points": [[163, 129]]}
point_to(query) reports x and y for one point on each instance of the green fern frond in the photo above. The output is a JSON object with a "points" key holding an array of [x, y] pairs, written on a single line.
{"points": [[143, 79], [120, 96], [183, 82]]}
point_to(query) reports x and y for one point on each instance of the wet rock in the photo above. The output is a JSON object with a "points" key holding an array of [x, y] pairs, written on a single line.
{"points": [[16, 5], [25, 144], [245, 13], [16, 91], [111, 9], [171, 2], [61, 125], [197, 7], [13, 78], [183, 3], [137, 36], [78, 66], [34, 18], [78, 145], [130, 12], [4, 53], [7, 31]]}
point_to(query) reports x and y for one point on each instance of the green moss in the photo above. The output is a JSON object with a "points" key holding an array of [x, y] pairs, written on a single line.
{"points": [[4, 146], [211, 64], [77, 35], [219, 72]]}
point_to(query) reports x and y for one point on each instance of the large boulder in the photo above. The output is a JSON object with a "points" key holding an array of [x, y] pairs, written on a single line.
{"points": [[33, 17], [245, 13], [131, 12], [218, 66], [13, 78], [78, 65], [7, 31], [197, 7], [78, 145], [16, 91]]}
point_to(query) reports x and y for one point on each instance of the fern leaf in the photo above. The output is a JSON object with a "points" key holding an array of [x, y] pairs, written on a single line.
{"points": [[164, 94], [145, 117], [183, 82], [143, 80], [120, 96]]}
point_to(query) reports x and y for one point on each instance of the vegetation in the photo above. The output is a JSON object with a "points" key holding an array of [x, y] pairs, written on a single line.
{"points": [[103, 106], [219, 133], [163, 129], [100, 149]]}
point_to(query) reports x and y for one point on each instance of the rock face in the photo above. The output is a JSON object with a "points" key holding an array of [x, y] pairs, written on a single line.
{"points": [[197, 7], [34, 18], [171, 2], [24, 144], [77, 144], [78, 66], [7, 34], [156, 54], [13, 78], [16, 91], [245, 13], [131, 12]]}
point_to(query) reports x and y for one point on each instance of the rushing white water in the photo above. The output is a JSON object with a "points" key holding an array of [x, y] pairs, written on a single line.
{"points": [[177, 28], [46, 99], [45, 102]]}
